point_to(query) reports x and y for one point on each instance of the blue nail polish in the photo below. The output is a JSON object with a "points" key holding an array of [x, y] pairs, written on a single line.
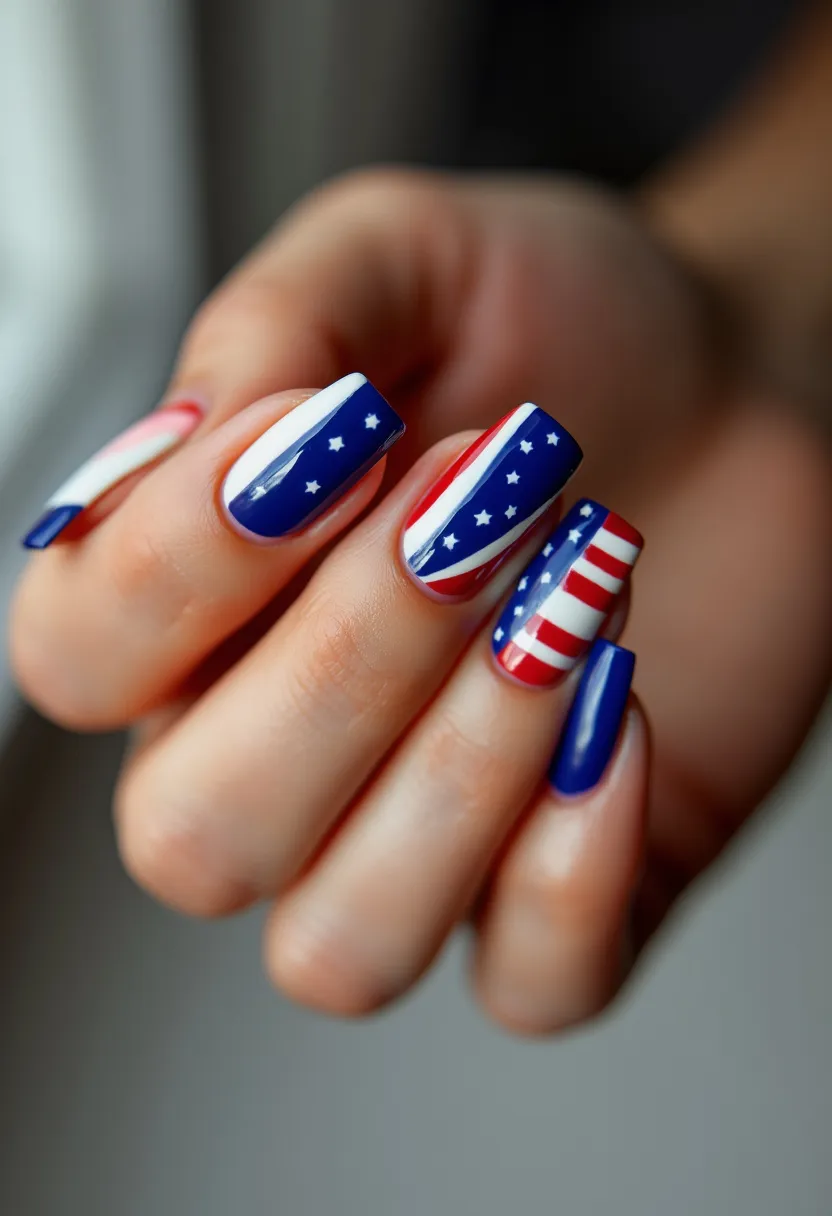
{"points": [[485, 503], [591, 730], [309, 459]]}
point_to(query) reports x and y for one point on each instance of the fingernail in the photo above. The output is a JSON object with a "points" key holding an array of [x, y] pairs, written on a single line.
{"points": [[591, 730], [309, 459], [565, 595], [135, 448], [485, 503]]}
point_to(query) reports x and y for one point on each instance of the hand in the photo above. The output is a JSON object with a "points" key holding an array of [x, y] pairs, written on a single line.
{"points": [[344, 745]]}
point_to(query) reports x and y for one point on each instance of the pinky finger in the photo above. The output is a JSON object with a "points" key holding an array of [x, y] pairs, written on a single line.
{"points": [[554, 937]]}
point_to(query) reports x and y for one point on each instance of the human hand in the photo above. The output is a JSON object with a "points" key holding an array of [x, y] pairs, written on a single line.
{"points": [[345, 746]]}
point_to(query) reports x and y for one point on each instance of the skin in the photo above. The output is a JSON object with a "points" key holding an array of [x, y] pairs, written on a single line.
{"points": [[313, 730]]}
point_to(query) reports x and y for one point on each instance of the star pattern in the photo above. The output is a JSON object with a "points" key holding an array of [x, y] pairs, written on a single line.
{"points": [[482, 518], [523, 584], [312, 487], [512, 478], [586, 510], [518, 611], [371, 422], [546, 578], [336, 443], [575, 536], [526, 446], [552, 438], [450, 541], [499, 634], [511, 512], [547, 552]]}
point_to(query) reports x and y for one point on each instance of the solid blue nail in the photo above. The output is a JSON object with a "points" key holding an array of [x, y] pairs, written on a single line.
{"points": [[592, 727]]}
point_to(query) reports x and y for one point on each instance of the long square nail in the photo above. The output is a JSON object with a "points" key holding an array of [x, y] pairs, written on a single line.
{"points": [[565, 595], [309, 459], [485, 503], [591, 730], [133, 450]]}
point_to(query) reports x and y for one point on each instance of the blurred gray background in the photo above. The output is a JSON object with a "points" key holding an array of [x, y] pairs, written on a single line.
{"points": [[146, 1069]]}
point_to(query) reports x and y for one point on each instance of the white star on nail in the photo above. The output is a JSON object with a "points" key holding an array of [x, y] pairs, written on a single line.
{"points": [[587, 510], [482, 517], [312, 487], [450, 541], [525, 446], [523, 584], [258, 491], [552, 438], [498, 635], [512, 478], [547, 552], [336, 444], [371, 422], [546, 578], [575, 536], [518, 611], [512, 511]]}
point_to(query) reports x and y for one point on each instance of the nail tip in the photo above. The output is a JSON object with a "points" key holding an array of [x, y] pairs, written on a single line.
{"points": [[49, 526]]}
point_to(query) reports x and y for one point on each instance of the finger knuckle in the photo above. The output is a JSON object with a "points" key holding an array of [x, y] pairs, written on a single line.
{"points": [[309, 959], [337, 673], [166, 850]]}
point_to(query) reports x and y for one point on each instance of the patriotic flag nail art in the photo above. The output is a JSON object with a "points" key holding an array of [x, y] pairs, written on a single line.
{"points": [[309, 459], [137, 447], [487, 500], [566, 594]]}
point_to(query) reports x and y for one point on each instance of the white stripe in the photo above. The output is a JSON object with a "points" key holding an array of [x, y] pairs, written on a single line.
{"points": [[449, 501], [102, 472], [465, 564], [287, 431], [571, 614], [616, 547], [608, 581], [546, 654]]}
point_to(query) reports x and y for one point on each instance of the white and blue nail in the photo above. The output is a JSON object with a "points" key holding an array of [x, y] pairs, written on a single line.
{"points": [[309, 459]]}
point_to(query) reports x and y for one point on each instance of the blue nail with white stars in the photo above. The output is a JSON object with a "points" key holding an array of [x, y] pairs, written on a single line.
{"points": [[309, 459]]}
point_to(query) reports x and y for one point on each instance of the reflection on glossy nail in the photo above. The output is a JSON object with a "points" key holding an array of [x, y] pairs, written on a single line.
{"points": [[591, 730]]}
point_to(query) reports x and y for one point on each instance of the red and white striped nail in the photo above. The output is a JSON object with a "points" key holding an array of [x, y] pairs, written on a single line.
{"points": [[566, 595]]}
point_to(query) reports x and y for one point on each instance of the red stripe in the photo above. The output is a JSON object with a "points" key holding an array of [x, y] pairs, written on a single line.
{"points": [[588, 592], [456, 468], [606, 561], [620, 527], [527, 668], [552, 635], [460, 585]]}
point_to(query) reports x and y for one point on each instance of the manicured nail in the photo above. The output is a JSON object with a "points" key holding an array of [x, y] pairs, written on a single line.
{"points": [[565, 595], [591, 730], [136, 447], [485, 503], [309, 459]]}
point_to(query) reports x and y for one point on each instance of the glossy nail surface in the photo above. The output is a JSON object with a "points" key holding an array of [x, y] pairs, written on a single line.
{"points": [[565, 595], [309, 459], [591, 730], [484, 504], [135, 448]]}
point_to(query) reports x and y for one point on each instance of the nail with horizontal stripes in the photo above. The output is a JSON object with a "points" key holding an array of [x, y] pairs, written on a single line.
{"points": [[484, 504], [565, 595], [591, 730], [309, 459], [136, 448]]}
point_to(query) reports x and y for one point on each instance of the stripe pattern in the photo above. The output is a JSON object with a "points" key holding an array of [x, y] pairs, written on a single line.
{"points": [[133, 450], [309, 459], [565, 595], [485, 503]]}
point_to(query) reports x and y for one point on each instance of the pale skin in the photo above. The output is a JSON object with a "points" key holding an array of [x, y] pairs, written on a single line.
{"points": [[314, 731]]}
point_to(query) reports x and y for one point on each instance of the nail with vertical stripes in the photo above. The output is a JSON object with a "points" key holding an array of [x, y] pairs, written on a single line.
{"points": [[591, 730], [309, 459], [140, 445], [565, 595], [484, 504]]}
